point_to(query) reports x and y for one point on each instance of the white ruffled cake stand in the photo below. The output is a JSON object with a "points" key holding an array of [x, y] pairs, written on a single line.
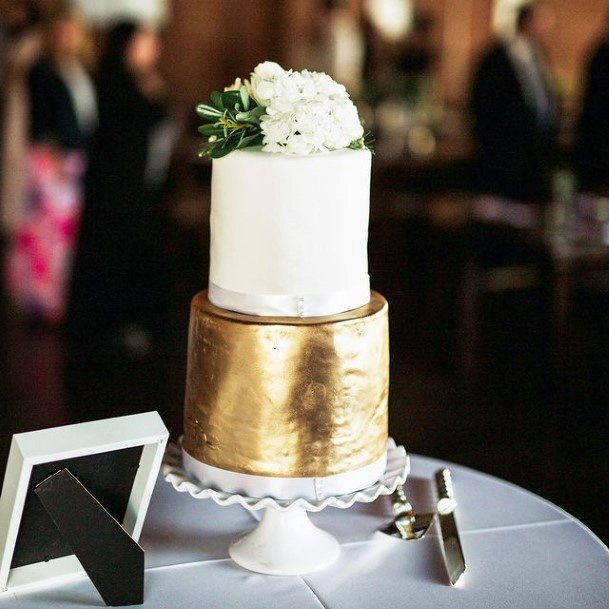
{"points": [[286, 542]]}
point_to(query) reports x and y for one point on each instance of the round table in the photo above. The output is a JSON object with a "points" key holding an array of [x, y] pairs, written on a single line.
{"points": [[522, 552]]}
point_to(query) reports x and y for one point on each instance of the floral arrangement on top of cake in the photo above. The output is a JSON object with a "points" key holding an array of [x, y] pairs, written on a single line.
{"points": [[283, 111]]}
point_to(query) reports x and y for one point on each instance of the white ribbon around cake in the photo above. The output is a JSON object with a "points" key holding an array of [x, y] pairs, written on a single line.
{"points": [[291, 305]]}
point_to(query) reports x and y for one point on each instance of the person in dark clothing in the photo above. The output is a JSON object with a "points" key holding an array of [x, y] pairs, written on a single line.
{"points": [[592, 144], [515, 112], [52, 116], [120, 282], [63, 107]]}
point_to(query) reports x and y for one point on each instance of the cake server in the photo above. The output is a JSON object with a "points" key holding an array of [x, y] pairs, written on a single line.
{"points": [[451, 543], [407, 523]]}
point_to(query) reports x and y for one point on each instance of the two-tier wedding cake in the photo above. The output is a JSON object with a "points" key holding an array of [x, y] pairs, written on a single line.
{"points": [[288, 356]]}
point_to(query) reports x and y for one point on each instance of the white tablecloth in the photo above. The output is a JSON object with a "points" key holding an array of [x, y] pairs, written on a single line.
{"points": [[522, 552]]}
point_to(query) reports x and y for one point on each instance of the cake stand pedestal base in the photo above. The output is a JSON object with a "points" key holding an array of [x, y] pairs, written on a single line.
{"points": [[285, 543]]}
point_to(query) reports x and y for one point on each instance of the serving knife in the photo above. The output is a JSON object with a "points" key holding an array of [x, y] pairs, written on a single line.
{"points": [[451, 543]]}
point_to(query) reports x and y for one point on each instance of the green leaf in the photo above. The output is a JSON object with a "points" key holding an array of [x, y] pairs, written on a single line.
{"points": [[252, 116], [251, 140], [245, 98], [218, 151], [207, 111], [230, 99], [363, 143], [230, 115], [242, 117], [216, 100], [258, 111], [210, 130]]}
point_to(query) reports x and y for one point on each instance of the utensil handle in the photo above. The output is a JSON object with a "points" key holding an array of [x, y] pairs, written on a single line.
{"points": [[444, 484], [401, 493], [446, 495]]}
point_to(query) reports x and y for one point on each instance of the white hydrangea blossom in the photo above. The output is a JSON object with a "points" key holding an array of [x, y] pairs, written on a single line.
{"points": [[306, 112]]}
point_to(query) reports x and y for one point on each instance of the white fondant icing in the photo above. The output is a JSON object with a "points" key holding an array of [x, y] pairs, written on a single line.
{"points": [[284, 488], [291, 227]]}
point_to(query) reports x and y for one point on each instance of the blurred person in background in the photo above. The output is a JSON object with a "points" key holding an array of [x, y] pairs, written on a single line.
{"points": [[20, 46], [62, 115], [120, 288], [515, 113], [415, 64], [592, 143], [418, 55]]}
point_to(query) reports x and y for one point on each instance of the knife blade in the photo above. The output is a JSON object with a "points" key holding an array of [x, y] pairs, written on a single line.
{"points": [[451, 543]]}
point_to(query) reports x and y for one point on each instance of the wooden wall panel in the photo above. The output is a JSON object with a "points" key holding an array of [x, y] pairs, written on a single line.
{"points": [[576, 28], [209, 42]]}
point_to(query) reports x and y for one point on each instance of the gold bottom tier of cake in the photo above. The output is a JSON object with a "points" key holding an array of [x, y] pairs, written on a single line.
{"points": [[287, 397]]}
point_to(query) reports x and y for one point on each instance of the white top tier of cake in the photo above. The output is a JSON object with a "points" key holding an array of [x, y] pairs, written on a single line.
{"points": [[289, 233]]}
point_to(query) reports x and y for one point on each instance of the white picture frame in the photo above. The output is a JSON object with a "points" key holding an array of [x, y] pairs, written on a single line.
{"points": [[71, 441]]}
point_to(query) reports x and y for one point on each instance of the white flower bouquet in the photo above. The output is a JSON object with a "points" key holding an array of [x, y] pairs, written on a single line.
{"points": [[284, 111]]}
